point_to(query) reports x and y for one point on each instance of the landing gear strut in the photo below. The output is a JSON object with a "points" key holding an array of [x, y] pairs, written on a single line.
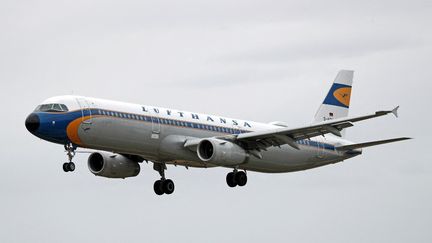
{"points": [[163, 185], [236, 178], [69, 166]]}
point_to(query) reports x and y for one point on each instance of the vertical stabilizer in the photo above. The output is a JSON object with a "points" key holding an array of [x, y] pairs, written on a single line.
{"points": [[337, 101]]}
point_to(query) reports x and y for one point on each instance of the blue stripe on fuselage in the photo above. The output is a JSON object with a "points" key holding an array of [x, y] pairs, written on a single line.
{"points": [[57, 132]]}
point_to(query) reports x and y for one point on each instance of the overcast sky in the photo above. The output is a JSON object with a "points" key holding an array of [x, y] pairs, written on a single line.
{"points": [[258, 60]]}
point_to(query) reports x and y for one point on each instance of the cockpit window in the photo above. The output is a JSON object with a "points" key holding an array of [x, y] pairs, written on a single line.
{"points": [[57, 107], [64, 108], [52, 108]]}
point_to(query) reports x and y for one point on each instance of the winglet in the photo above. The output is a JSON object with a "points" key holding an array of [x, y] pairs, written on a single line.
{"points": [[395, 111]]}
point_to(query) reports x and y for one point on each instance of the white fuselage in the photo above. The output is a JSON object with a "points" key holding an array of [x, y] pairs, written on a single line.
{"points": [[159, 134]]}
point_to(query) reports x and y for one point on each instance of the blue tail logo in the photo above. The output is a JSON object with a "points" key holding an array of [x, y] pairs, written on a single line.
{"points": [[339, 95]]}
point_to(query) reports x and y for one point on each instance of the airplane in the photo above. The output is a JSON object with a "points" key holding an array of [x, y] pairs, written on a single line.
{"points": [[123, 135]]}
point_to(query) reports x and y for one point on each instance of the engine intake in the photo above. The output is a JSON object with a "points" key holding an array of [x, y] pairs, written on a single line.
{"points": [[220, 152], [112, 165]]}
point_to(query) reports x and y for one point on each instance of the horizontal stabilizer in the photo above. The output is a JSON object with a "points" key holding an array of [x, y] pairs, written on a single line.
{"points": [[368, 144]]}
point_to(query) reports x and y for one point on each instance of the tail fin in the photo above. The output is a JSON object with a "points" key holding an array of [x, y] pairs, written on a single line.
{"points": [[337, 100]]}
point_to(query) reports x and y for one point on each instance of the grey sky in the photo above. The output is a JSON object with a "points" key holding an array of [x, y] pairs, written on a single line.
{"points": [[258, 60]]}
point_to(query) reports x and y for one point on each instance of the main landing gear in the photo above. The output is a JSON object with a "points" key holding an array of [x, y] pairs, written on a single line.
{"points": [[236, 178], [163, 185], [69, 166]]}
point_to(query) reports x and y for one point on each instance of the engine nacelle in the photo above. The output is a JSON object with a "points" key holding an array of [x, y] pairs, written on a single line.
{"points": [[112, 165], [220, 152]]}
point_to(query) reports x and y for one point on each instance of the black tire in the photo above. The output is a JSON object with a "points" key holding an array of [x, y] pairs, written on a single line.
{"points": [[65, 167], [241, 178], [71, 166], [230, 179], [158, 189], [168, 186]]}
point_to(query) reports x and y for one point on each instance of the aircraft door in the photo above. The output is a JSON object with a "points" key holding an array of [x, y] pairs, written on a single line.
{"points": [[86, 113], [156, 127]]}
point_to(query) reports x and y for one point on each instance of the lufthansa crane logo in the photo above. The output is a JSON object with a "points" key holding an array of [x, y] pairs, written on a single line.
{"points": [[343, 95]]}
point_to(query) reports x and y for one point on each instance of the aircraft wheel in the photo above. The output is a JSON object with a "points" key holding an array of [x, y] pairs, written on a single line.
{"points": [[168, 186], [241, 178], [71, 166], [231, 180], [65, 167], [158, 187]]}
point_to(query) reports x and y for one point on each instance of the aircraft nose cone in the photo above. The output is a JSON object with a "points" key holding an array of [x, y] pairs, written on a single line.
{"points": [[32, 122]]}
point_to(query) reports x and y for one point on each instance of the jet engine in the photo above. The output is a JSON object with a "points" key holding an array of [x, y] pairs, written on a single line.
{"points": [[220, 152], [112, 165]]}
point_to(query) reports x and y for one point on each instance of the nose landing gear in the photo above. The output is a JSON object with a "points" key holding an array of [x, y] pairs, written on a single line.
{"points": [[69, 166], [236, 178]]}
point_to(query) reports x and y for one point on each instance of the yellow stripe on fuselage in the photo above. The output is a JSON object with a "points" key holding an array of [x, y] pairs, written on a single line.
{"points": [[73, 128]]}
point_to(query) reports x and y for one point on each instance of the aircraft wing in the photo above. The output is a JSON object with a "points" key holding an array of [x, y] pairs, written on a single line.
{"points": [[260, 140]]}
